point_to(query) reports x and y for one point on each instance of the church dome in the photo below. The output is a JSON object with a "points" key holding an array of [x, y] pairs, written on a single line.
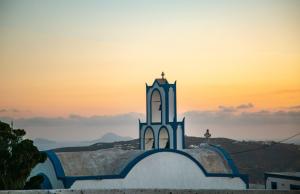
{"points": [[71, 168]]}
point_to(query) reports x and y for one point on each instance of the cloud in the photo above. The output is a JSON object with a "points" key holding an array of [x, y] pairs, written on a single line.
{"points": [[76, 127], [245, 106], [294, 107], [230, 109], [227, 108], [260, 125], [226, 121], [11, 110], [15, 110]]}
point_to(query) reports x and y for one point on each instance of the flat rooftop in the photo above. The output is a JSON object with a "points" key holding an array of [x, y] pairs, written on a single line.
{"points": [[294, 174]]}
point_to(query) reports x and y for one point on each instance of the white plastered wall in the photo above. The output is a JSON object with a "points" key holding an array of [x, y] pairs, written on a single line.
{"points": [[171, 105], [164, 170], [47, 169], [282, 184], [179, 134]]}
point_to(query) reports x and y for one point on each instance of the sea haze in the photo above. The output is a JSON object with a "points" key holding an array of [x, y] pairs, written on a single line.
{"points": [[229, 122]]}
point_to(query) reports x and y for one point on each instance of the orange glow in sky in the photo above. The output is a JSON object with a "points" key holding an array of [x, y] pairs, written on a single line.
{"points": [[94, 58]]}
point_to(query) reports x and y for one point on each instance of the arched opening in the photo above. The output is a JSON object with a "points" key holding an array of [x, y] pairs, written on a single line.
{"points": [[156, 107], [149, 139], [164, 140]]}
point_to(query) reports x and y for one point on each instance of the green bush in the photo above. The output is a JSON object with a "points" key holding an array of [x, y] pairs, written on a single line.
{"points": [[18, 157]]}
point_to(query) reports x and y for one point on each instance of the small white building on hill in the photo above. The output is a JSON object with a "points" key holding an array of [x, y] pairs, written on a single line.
{"points": [[282, 180], [162, 161]]}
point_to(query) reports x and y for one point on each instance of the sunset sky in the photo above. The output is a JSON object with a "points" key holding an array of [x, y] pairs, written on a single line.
{"points": [[87, 58]]}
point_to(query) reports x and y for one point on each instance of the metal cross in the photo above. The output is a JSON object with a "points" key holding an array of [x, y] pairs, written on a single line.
{"points": [[162, 75], [207, 134]]}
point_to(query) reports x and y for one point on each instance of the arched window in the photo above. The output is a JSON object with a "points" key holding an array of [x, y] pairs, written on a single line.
{"points": [[156, 107], [149, 139], [164, 140]]}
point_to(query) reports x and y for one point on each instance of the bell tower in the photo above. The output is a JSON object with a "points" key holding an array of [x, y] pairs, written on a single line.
{"points": [[161, 129]]}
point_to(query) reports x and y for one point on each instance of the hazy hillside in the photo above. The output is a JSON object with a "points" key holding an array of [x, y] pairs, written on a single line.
{"points": [[266, 156], [45, 144]]}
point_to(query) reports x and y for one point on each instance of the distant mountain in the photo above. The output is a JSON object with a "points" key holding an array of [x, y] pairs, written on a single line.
{"points": [[46, 144], [251, 157], [111, 137]]}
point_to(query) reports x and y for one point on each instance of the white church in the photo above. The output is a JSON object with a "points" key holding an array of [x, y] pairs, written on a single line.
{"points": [[162, 162]]}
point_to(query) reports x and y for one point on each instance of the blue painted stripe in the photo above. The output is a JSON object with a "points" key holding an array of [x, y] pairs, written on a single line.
{"points": [[227, 157], [59, 171], [231, 164], [46, 184]]}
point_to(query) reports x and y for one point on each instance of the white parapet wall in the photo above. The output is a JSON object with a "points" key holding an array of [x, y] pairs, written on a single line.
{"points": [[281, 183], [47, 169], [148, 191]]}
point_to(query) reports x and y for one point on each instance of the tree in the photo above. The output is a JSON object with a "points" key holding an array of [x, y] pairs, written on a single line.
{"points": [[18, 156]]}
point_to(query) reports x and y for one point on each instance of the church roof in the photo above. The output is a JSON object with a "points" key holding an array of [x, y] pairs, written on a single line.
{"points": [[112, 161], [288, 174], [116, 163], [100, 162]]}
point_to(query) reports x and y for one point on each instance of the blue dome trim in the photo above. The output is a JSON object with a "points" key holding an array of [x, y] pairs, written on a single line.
{"points": [[46, 184], [59, 171], [227, 157], [231, 163]]}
